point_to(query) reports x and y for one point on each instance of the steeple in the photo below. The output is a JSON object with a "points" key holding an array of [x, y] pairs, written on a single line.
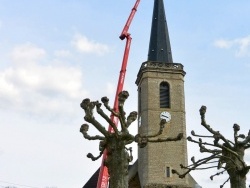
{"points": [[161, 96], [159, 45]]}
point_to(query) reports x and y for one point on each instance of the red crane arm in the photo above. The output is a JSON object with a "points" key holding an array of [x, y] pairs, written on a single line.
{"points": [[130, 18], [103, 173]]}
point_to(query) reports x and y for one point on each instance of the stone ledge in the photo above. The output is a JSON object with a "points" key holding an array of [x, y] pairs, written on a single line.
{"points": [[153, 66]]}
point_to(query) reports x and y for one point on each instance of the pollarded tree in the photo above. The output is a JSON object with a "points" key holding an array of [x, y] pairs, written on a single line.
{"points": [[225, 155], [115, 142]]}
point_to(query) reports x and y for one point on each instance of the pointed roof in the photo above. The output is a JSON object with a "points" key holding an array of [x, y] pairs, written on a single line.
{"points": [[159, 45]]}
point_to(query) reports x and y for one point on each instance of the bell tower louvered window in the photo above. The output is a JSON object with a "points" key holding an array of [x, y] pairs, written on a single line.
{"points": [[164, 95]]}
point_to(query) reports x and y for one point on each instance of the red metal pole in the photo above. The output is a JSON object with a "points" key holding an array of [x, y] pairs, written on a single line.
{"points": [[103, 174], [130, 18]]}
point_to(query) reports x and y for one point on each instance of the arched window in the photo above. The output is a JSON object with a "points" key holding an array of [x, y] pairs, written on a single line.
{"points": [[164, 95]]}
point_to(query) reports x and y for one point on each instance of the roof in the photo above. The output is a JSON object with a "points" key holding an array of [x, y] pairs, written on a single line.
{"points": [[93, 180], [159, 45]]}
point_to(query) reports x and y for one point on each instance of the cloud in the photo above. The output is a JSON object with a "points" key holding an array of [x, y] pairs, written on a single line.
{"points": [[223, 44], [36, 87], [241, 45], [48, 79], [8, 89], [244, 46], [84, 45], [62, 53], [27, 53]]}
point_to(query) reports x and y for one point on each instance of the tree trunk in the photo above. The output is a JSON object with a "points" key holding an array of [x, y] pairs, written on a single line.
{"points": [[117, 163], [238, 181], [236, 170]]}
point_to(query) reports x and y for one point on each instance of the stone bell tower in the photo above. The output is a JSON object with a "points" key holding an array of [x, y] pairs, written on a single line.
{"points": [[161, 95]]}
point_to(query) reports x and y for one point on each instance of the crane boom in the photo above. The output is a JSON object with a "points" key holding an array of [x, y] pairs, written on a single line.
{"points": [[130, 18], [103, 173]]}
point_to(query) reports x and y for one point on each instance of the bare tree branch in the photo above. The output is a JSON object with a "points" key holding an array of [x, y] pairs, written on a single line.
{"points": [[97, 125], [169, 139], [194, 165], [202, 147], [247, 140], [84, 129], [101, 113], [88, 107], [248, 168], [224, 183], [131, 118], [216, 134], [217, 174], [122, 98], [162, 125], [105, 101], [200, 136], [236, 128], [89, 155], [229, 155]]}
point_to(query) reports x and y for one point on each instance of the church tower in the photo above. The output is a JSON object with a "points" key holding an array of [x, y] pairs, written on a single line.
{"points": [[161, 95]]}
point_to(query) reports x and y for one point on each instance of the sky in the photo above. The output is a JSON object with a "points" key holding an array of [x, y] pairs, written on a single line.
{"points": [[53, 54]]}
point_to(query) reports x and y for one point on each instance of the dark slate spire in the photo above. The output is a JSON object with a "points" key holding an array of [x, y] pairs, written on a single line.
{"points": [[159, 45]]}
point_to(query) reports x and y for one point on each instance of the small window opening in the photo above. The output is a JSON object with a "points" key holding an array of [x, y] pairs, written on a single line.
{"points": [[168, 173], [164, 95]]}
